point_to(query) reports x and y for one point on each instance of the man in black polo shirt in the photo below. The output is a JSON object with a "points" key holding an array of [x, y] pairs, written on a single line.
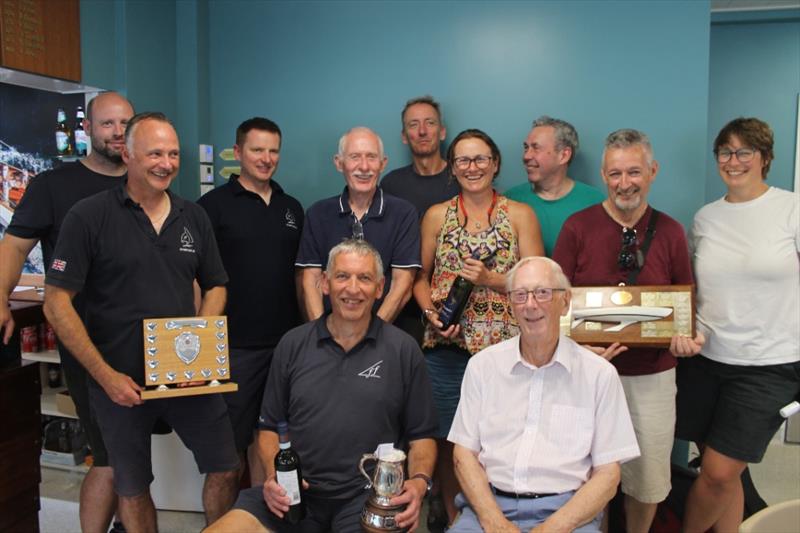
{"points": [[362, 211], [345, 383], [135, 251], [38, 217], [258, 227]]}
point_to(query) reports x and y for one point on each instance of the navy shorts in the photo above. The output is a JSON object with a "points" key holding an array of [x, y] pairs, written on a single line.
{"points": [[733, 408], [78, 386], [249, 368], [322, 514], [201, 422]]}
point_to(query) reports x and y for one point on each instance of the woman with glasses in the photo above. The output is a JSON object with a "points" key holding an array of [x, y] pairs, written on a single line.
{"points": [[478, 235], [745, 251]]}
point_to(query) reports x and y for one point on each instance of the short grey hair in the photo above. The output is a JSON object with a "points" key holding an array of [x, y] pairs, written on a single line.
{"points": [[627, 138], [134, 122], [565, 134], [359, 129], [426, 99], [354, 246], [555, 269]]}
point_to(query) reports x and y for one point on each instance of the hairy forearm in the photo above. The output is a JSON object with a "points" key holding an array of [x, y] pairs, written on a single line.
{"points": [[312, 293], [398, 296], [588, 501], [72, 333], [12, 259], [475, 485], [422, 457], [213, 302], [267, 450]]}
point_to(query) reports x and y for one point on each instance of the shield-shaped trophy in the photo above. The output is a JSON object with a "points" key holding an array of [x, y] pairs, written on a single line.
{"points": [[186, 356]]}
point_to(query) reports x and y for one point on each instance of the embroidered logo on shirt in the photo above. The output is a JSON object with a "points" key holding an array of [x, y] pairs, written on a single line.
{"points": [[371, 372], [187, 241], [59, 264], [291, 220]]}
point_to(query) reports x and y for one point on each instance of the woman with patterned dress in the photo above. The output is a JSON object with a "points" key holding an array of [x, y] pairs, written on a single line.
{"points": [[478, 235]]}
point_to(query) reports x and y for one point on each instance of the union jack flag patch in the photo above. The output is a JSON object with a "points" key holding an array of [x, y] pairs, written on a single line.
{"points": [[59, 264]]}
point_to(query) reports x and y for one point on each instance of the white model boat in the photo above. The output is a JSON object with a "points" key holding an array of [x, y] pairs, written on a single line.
{"points": [[624, 315]]}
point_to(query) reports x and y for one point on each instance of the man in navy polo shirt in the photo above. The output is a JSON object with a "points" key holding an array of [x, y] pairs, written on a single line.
{"points": [[134, 252], [345, 383], [362, 211], [257, 227]]}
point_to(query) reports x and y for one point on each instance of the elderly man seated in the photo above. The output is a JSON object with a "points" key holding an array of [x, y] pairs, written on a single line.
{"points": [[542, 424]]}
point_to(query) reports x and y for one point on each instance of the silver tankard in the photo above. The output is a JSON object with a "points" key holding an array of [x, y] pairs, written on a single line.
{"points": [[386, 482]]}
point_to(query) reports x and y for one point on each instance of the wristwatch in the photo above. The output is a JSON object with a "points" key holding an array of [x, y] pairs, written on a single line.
{"points": [[428, 481]]}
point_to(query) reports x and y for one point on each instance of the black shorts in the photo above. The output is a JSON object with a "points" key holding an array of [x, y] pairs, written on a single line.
{"points": [[733, 408], [249, 368], [78, 386], [322, 514], [201, 422]]}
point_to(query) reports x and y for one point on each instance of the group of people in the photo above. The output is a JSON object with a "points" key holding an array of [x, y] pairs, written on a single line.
{"points": [[334, 323]]}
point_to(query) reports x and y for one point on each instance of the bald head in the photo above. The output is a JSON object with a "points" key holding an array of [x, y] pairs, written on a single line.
{"points": [[107, 117]]}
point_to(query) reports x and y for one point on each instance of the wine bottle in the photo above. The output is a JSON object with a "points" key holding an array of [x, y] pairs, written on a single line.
{"points": [[63, 134], [288, 475], [81, 139], [457, 298]]}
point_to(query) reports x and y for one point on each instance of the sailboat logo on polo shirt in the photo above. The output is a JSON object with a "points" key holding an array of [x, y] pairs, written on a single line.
{"points": [[371, 372], [187, 241]]}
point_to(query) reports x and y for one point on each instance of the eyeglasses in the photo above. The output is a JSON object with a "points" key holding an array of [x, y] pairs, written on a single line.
{"points": [[629, 258], [540, 294], [357, 229], [481, 161], [744, 155]]}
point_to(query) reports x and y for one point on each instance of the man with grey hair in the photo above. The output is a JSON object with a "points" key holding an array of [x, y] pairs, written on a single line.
{"points": [[548, 150], [542, 424], [135, 251], [361, 211], [378, 378], [625, 241]]}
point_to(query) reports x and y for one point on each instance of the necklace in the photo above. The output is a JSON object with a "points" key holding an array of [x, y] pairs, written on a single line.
{"points": [[477, 223]]}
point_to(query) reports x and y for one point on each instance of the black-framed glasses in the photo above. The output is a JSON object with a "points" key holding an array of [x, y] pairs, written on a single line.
{"points": [[540, 294], [357, 229], [744, 155], [629, 256], [481, 161]]}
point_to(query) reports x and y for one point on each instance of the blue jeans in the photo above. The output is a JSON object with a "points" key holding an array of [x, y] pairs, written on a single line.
{"points": [[524, 513]]}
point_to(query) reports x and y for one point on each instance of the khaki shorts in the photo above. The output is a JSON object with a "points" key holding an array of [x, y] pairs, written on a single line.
{"points": [[651, 401]]}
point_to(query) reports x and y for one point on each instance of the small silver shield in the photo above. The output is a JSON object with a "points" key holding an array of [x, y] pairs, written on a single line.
{"points": [[187, 347]]}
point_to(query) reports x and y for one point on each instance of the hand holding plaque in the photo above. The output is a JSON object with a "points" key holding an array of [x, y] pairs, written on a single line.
{"points": [[185, 350]]}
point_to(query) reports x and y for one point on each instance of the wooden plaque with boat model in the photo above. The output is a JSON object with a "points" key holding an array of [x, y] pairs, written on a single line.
{"points": [[186, 356], [635, 316]]}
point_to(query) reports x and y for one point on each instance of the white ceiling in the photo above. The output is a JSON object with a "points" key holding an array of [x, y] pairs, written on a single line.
{"points": [[753, 5]]}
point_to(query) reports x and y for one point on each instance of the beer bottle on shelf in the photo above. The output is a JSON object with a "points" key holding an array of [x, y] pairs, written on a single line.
{"points": [[288, 475], [63, 134], [79, 133], [457, 298]]}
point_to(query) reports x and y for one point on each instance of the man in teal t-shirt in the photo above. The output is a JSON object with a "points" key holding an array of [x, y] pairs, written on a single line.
{"points": [[548, 150]]}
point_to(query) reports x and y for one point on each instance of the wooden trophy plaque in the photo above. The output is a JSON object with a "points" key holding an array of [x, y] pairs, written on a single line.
{"points": [[183, 350], [635, 316]]}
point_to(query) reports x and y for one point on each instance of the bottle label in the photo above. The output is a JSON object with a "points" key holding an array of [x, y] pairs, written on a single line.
{"points": [[80, 142], [62, 141], [290, 482]]}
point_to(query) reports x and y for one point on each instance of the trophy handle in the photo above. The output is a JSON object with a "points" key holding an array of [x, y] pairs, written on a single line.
{"points": [[364, 458]]}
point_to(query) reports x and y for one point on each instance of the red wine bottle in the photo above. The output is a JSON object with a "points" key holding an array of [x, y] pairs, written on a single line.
{"points": [[457, 298], [289, 476]]}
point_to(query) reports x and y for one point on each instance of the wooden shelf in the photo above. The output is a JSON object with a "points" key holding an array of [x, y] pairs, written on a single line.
{"points": [[45, 356], [49, 403]]}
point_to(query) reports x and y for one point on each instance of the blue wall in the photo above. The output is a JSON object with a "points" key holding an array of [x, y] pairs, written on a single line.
{"points": [[318, 68], [755, 71]]}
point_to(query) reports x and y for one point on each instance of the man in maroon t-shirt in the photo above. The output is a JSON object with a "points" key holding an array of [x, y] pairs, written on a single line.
{"points": [[591, 252]]}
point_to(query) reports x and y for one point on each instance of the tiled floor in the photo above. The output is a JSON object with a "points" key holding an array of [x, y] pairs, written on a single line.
{"points": [[777, 479]]}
